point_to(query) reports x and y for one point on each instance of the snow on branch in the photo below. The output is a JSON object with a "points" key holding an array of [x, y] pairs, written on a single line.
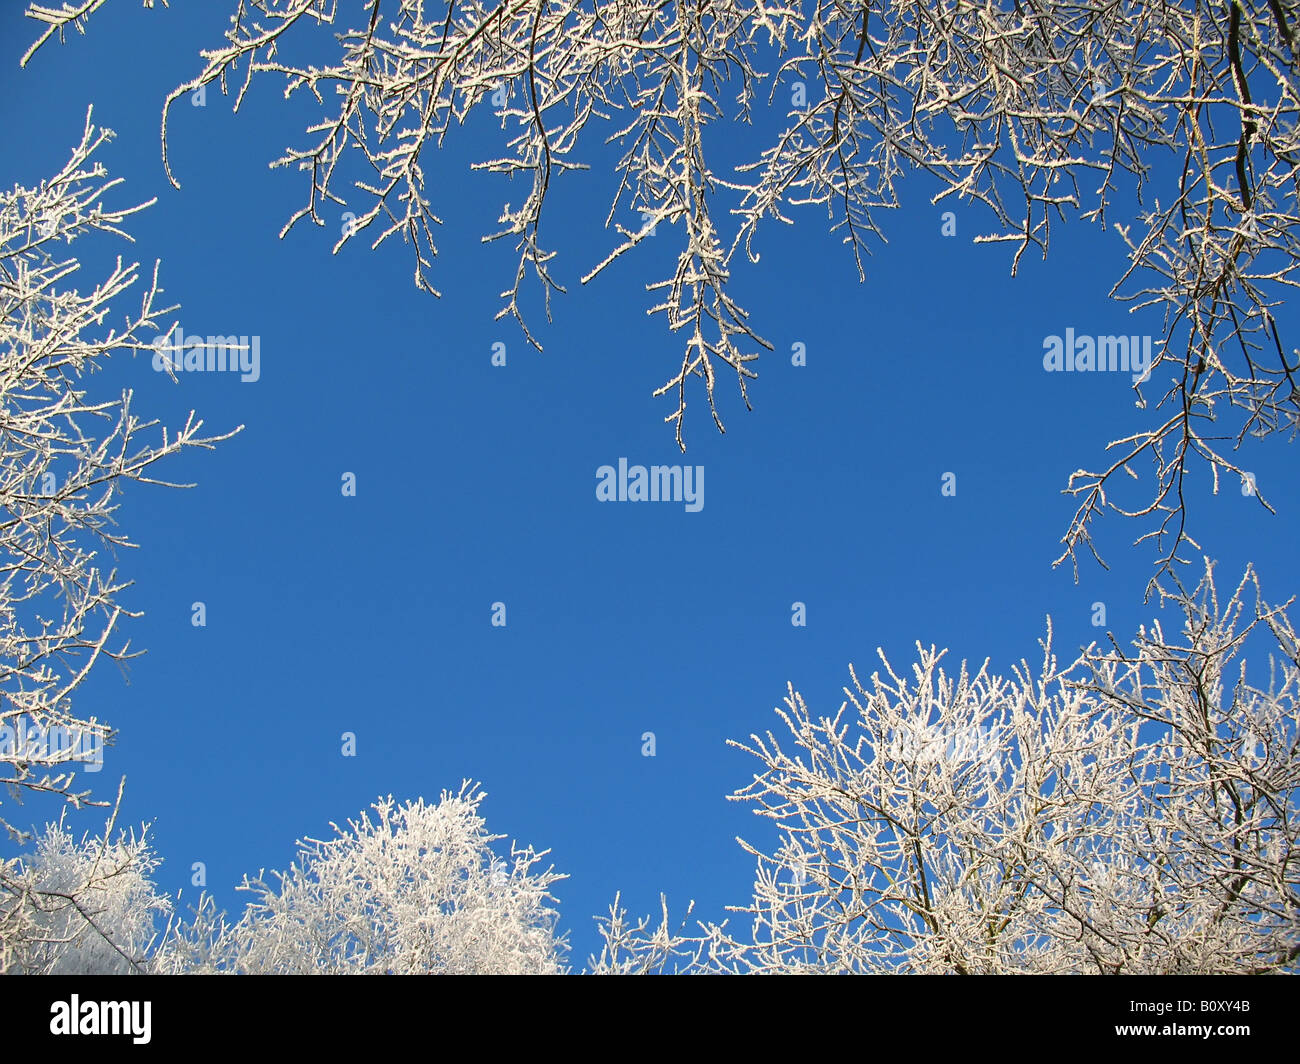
{"points": [[65, 458], [1175, 123], [1130, 813]]}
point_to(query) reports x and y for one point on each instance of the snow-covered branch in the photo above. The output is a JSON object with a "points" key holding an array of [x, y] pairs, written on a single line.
{"points": [[64, 459], [1176, 123], [1129, 813]]}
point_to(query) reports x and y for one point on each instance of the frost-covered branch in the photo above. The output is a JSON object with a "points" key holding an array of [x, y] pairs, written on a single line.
{"points": [[1174, 123], [418, 890], [65, 458], [58, 19], [84, 908], [1131, 813]]}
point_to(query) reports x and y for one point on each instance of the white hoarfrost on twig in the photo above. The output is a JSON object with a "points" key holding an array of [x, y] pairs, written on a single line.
{"points": [[86, 908], [65, 458], [1183, 119], [1131, 813], [417, 890]]}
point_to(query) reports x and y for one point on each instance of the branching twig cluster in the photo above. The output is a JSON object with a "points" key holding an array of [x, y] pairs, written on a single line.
{"points": [[64, 461], [1036, 110], [1131, 813]]}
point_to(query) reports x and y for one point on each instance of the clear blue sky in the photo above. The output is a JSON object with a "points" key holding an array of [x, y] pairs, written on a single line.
{"points": [[476, 484]]}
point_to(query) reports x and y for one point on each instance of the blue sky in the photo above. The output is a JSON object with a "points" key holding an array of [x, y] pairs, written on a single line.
{"points": [[476, 484]]}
